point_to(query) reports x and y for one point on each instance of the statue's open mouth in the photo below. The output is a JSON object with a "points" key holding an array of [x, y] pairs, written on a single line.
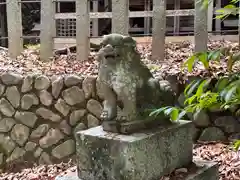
{"points": [[112, 56]]}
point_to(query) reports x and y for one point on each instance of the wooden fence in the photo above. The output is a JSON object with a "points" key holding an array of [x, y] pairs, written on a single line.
{"points": [[120, 24]]}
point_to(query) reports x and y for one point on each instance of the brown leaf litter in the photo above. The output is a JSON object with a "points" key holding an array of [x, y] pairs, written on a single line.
{"points": [[175, 55]]}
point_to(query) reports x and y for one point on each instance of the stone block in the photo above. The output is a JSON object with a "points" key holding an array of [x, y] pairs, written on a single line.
{"points": [[147, 155], [206, 171]]}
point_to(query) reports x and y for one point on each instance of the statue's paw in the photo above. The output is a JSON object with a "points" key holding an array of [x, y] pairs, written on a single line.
{"points": [[121, 117]]}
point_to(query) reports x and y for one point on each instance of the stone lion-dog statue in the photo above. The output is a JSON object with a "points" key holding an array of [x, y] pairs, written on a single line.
{"points": [[123, 77]]}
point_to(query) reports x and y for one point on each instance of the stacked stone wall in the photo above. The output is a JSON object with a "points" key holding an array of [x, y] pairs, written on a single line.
{"points": [[39, 116]]}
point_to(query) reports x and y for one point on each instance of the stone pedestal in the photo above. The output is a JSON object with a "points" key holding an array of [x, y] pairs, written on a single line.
{"points": [[146, 155]]}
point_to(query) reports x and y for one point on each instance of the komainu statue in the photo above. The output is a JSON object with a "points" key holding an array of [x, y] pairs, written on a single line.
{"points": [[124, 78]]}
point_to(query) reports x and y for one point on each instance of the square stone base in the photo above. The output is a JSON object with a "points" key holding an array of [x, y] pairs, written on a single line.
{"points": [[146, 155]]}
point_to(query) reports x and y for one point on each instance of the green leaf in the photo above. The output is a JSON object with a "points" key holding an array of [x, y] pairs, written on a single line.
{"points": [[201, 87], [192, 87], [214, 55], [190, 100], [230, 94], [174, 114], [236, 145], [158, 111], [189, 63], [230, 63], [203, 57], [181, 114], [221, 84]]}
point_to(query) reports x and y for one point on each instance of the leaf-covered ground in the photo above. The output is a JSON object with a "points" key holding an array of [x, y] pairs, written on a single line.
{"points": [[29, 62], [175, 55], [228, 160]]}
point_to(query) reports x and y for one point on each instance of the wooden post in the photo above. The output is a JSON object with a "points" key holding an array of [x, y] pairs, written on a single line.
{"points": [[48, 29], [3, 24], [120, 19], [147, 19], [159, 29], [218, 21], [176, 18], [200, 27], [210, 16], [82, 29], [95, 21], [14, 24]]}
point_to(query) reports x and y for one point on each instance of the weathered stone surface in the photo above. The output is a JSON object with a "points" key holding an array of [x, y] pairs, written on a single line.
{"points": [[65, 149], [196, 133], [79, 127], [212, 134], [92, 121], [45, 98], [52, 137], [127, 79], [16, 154], [48, 115], [66, 129], [206, 170], [181, 99], [28, 100], [27, 84], [1, 159], [2, 89], [228, 123], [72, 80], [99, 90], [89, 87], [38, 152], [201, 119], [73, 95], [40, 131], [6, 108], [45, 158], [13, 96], [6, 143], [27, 118], [42, 82], [233, 137], [10, 78], [30, 146], [62, 107], [76, 116], [20, 134], [132, 154], [6, 124], [57, 86], [94, 107]]}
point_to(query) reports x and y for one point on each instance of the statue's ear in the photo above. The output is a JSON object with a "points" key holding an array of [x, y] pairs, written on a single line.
{"points": [[129, 41], [105, 40]]}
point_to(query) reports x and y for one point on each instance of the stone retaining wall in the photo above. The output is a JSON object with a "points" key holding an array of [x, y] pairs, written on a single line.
{"points": [[39, 116]]}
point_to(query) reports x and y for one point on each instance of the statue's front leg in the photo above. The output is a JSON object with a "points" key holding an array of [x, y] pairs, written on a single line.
{"points": [[109, 105], [129, 100]]}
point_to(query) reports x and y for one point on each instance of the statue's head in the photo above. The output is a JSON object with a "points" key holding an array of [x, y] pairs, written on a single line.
{"points": [[115, 47]]}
